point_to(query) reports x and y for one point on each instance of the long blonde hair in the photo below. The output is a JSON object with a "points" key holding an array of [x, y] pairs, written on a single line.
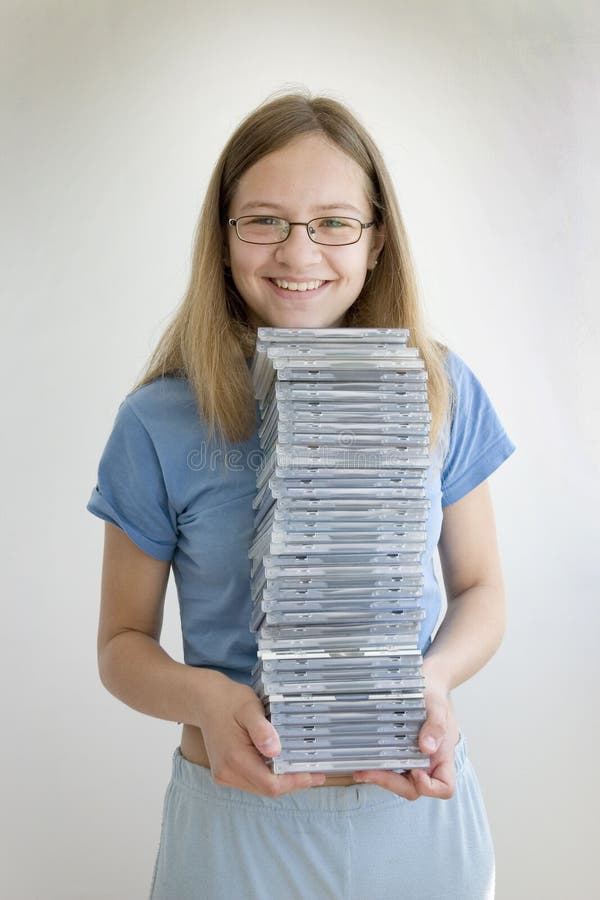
{"points": [[210, 336]]}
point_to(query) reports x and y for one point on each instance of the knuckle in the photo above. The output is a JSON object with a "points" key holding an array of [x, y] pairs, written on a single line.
{"points": [[248, 713], [437, 707], [224, 771], [220, 775], [253, 706], [234, 761], [274, 789], [260, 734], [436, 721]]}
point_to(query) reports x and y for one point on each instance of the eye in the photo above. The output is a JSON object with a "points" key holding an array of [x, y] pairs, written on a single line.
{"points": [[334, 223], [264, 220]]}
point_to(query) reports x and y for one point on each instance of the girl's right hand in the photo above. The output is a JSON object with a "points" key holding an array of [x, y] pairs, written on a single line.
{"points": [[237, 736]]}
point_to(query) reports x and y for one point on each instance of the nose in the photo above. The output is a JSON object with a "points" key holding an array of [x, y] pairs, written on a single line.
{"points": [[298, 251]]}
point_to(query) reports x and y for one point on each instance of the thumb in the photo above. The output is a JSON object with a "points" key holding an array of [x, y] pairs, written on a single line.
{"points": [[435, 725], [262, 734]]}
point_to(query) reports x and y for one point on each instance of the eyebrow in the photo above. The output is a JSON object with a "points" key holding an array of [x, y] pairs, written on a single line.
{"points": [[264, 204]]}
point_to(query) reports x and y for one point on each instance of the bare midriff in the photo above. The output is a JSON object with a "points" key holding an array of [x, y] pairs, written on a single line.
{"points": [[193, 749]]}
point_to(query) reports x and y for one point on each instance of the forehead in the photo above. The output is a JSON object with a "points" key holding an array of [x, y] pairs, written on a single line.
{"points": [[310, 171]]}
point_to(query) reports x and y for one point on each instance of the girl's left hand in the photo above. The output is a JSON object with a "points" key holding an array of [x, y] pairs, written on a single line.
{"points": [[438, 738]]}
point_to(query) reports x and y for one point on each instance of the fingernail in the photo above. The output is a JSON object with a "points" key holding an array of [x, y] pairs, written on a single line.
{"points": [[430, 742], [270, 746], [362, 779]]}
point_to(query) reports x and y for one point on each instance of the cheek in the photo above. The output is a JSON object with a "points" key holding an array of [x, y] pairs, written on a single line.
{"points": [[235, 258], [354, 259], [245, 259]]}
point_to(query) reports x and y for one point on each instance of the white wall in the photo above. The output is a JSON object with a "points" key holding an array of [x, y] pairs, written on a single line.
{"points": [[113, 115]]}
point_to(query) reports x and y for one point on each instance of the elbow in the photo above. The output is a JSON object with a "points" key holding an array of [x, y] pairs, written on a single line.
{"points": [[104, 667], [122, 658], [111, 663]]}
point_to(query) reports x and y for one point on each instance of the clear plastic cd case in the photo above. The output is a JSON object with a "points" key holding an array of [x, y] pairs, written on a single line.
{"points": [[338, 544]]}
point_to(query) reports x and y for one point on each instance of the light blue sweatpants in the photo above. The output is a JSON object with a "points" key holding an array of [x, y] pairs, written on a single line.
{"points": [[329, 843]]}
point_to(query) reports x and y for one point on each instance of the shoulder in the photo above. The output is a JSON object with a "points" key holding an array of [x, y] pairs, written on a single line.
{"points": [[460, 374], [161, 396], [165, 407], [468, 396]]}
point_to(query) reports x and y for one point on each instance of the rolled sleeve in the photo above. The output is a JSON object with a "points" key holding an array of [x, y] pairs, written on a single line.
{"points": [[130, 491], [478, 443]]}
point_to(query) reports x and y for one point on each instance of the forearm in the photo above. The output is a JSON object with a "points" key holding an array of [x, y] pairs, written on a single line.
{"points": [[468, 637], [136, 669]]}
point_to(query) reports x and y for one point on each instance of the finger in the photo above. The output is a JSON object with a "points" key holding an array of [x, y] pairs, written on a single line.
{"points": [[262, 734], [243, 767], [438, 783], [391, 781], [263, 780], [296, 781], [434, 727], [253, 775]]}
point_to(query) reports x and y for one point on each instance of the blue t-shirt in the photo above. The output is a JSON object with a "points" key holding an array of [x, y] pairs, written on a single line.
{"points": [[182, 497]]}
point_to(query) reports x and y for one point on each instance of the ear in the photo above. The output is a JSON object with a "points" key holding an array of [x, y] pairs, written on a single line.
{"points": [[377, 242]]}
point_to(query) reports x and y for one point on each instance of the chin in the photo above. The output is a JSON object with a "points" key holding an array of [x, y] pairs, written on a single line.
{"points": [[303, 319]]}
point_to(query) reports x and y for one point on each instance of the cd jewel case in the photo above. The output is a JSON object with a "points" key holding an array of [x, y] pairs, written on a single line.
{"points": [[339, 537]]}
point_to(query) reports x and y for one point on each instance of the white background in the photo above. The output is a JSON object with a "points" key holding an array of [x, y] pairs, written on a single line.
{"points": [[113, 114]]}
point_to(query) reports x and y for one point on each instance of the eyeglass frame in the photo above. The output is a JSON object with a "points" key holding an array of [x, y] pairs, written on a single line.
{"points": [[363, 225]]}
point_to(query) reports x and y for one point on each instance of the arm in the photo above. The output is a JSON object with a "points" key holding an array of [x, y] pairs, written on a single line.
{"points": [[135, 668], [469, 635], [474, 624]]}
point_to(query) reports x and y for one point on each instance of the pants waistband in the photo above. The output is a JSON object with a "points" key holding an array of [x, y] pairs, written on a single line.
{"points": [[198, 779]]}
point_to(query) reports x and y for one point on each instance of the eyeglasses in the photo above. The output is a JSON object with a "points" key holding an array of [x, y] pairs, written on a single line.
{"points": [[333, 230]]}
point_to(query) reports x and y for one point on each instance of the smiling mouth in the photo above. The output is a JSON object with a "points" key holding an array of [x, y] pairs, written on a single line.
{"points": [[297, 285]]}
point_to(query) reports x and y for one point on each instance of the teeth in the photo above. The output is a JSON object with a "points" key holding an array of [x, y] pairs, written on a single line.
{"points": [[298, 285]]}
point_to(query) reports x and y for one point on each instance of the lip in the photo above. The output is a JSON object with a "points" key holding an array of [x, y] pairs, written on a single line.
{"points": [[298, 278], [296, 295]]}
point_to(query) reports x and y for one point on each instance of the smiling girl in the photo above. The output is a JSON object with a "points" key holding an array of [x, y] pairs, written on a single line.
{"points": [[300, 228]]}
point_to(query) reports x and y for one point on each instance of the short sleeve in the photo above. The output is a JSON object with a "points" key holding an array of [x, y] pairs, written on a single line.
{"points": [[130, 491], [478, 443]]}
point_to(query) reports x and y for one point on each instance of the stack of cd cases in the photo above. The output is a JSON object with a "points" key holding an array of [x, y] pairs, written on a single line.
{"points": [[340, 532]]}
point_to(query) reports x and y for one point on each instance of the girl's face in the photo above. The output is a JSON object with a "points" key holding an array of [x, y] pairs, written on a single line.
{"points": [[309, 177]]}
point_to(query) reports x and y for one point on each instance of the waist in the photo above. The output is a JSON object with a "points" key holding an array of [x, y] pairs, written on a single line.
{"points": [[194, 750]]}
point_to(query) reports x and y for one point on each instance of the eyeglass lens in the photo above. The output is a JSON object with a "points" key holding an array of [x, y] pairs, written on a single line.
{"points": [[271, 230]]}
